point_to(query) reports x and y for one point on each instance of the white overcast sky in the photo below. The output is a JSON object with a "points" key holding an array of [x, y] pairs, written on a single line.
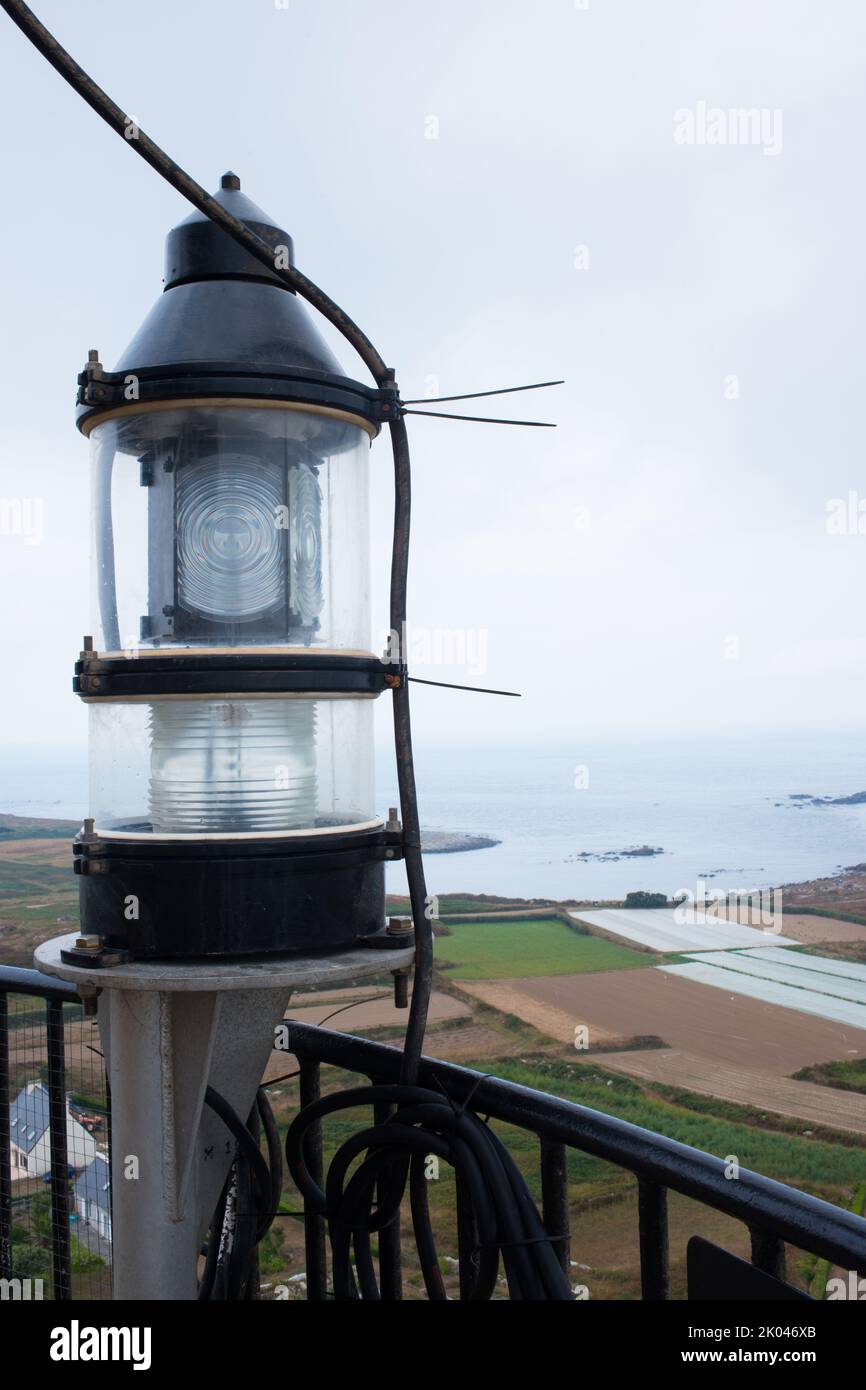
{"points": [[659, 561]]}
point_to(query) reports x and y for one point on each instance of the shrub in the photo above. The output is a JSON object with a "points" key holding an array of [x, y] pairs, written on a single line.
{"points": [[645, 899]]}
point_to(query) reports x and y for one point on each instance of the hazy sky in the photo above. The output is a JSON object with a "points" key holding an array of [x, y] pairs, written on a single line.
{"points": [[499, 192]]}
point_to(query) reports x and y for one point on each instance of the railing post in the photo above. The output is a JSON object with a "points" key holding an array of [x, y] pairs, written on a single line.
{"points": [[59, 1156], [314, 1225], [768, 1252], [652, 1202], [554, 1198], [5, 1146]]}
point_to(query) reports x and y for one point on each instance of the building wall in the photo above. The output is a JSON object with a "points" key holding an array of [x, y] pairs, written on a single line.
{"points": [[80, 1149]]}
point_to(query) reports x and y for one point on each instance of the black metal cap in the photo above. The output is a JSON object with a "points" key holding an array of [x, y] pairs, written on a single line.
{"points": [[225, 326], [197, 249]]}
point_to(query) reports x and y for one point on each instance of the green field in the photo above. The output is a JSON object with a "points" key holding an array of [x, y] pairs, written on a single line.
{"points": [[515, 949]]}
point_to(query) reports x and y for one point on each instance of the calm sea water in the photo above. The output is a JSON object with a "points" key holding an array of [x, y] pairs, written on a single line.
{"points": [[710, 804]]}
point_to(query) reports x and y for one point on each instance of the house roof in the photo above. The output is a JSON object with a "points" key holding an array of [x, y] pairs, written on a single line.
{"points": [[29, 1116], [95, 1183]]}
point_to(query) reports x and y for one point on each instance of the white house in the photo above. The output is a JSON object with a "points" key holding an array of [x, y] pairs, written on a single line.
{"points": [[31, 1137], [93, 1195]]}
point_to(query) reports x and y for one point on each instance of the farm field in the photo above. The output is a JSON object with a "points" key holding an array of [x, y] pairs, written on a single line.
{"points": [[507, 998], [379, 1012], [504, 949], [818, 1105], [697, 1018], [38, 890], [809, 929]]}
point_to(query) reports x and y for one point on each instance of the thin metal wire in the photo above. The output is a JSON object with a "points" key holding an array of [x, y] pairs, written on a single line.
{"points": [[478, 689], [482, 419], [475, 395]]}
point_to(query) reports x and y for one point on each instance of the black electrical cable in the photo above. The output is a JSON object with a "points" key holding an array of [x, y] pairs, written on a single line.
{"points": [[360, 1200], [248, 1202], [127, 128]]}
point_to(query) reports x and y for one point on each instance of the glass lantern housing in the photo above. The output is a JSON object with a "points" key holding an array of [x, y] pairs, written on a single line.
{"points": [[230, 525]]}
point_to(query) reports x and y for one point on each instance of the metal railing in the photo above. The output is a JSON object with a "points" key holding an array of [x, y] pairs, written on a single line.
{"points": [[774, 1213]]}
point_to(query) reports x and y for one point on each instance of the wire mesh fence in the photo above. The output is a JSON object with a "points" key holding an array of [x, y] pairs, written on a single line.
{"points": [[55, 1197]]}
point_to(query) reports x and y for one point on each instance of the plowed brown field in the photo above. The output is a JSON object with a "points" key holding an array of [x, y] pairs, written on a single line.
{"points": [[729, 1029]]}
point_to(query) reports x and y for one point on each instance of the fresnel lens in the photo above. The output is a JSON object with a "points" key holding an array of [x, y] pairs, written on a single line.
{"points": [[229, 677]]}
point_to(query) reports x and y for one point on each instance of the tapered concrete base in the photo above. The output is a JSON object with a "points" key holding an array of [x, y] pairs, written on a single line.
{"points": [[169, 1031]]}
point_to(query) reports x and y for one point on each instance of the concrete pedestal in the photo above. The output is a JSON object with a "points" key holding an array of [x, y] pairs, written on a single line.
{"points": [[169, 1031]]}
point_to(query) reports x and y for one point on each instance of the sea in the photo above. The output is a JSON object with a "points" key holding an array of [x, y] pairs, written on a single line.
{"points": [[723, 811]]}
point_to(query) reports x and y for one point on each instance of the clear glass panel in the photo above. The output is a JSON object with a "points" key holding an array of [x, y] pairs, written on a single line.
{"points": [[231, 767], [230, 526]]}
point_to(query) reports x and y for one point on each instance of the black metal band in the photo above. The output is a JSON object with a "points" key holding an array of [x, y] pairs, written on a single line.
{"points": [[187, 672], [338, 849], [100, 391], [211, 898]]}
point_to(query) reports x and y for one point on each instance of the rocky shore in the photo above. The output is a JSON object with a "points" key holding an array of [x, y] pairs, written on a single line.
{"points": [[454, 842], [613, 856]]}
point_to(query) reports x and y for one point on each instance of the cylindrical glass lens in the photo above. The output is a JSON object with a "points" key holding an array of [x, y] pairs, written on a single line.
{"points": [[232, 768], [230, 560]]}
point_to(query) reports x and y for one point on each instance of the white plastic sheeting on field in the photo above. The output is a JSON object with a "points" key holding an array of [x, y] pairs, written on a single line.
{"points": [[849, 969], [806, 1001], [745, 963], [677, 929]]}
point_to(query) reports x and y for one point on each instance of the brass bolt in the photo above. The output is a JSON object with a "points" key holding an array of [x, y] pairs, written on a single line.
{"points": [[89, 995]]}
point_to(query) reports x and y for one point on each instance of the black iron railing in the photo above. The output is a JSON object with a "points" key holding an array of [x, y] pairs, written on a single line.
{"points": [[774, 1213]]}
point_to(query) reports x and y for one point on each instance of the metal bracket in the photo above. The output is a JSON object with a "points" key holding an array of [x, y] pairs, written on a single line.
{"points": [[390, 407]]}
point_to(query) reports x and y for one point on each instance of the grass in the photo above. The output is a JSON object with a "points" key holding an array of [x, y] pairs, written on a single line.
{"points": [[845, 1076], [512, 949], [37, 900], [813, 1164]]}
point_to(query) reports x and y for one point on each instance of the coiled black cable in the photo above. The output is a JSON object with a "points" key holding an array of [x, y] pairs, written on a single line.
{"points": [[359, 1201], [248, 1202]]}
